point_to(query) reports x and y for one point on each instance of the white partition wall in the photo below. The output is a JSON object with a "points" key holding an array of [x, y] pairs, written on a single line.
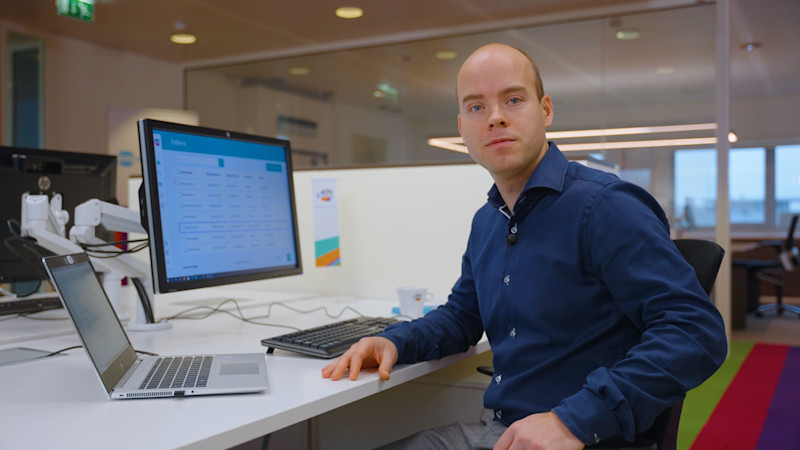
{"points": [[398, 226]]}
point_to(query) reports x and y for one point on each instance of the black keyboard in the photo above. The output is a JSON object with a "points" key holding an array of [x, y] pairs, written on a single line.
{"points": [[29, 305], [329, 341]]}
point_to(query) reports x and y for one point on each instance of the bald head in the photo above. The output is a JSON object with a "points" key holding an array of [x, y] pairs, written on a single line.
{"points": [[483, 54]]}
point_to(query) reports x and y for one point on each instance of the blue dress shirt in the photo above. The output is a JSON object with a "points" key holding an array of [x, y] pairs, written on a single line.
{"points": [[590, 310]]}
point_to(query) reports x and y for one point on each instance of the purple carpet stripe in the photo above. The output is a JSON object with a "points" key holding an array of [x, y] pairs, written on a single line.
{"points": [[782, 427]]}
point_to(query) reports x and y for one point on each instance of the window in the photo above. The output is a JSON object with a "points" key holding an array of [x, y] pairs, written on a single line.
{"points": [[747, 185], [696, 187], [787, 183]]}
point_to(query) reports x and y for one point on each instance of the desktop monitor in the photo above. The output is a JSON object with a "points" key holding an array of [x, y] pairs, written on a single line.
{"points": [[76, 176], [220, 206]]}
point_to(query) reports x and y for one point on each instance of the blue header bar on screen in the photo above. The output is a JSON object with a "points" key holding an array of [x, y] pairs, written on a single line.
{"points": [[210, 145]]}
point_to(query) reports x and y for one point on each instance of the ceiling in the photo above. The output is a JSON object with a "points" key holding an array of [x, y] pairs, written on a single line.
{"points": [[573, 41], [228, 28]]}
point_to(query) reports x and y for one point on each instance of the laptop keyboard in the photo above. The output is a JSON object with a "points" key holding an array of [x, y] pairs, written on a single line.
{"points": [[178, 372]]}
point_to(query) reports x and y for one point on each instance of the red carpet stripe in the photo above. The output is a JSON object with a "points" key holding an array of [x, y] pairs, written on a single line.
{"points": [[737, 420], [782, 428]]}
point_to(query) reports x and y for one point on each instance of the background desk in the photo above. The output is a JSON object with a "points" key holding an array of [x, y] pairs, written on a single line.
{"points": [[57, 402]]}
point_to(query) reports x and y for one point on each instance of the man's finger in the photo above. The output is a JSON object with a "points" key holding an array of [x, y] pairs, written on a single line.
{"points": [[341, 367], [385, 367], [355, 365]]}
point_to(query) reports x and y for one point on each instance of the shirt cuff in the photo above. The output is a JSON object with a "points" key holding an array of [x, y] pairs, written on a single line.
{"points": [[587, 417]]}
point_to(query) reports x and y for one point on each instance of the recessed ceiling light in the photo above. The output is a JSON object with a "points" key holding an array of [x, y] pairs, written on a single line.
{"points": [[750, 46], [349, 12], [298, 71], [627, 34], [446, 54], [183, 38]]}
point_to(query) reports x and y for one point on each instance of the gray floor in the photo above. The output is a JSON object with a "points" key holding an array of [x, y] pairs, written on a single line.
{"points": [[783, 329]]}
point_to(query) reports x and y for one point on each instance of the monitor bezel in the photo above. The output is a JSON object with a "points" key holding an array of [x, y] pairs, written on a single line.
{"points": [[161, 283]]}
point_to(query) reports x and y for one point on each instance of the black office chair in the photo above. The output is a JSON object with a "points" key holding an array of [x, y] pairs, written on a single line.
{"points": [[705, 258], [788, 261], [771, 271]]}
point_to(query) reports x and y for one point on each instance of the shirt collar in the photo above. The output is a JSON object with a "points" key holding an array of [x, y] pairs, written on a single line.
{"points": [[549, 174]]}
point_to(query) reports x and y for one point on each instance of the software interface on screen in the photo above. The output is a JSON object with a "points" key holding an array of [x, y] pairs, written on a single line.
{"points": [[91, 312], [225, 206]]}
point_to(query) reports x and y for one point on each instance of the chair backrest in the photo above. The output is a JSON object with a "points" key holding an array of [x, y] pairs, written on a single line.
{"points": [[789, 244], [705, 257]]}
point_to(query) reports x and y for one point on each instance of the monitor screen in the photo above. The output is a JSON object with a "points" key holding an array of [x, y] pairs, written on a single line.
{"points": [[220, 206], [76, 176]]}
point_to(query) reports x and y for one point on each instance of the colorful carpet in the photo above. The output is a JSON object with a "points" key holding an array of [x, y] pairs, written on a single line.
{"points": [[751, 403]]}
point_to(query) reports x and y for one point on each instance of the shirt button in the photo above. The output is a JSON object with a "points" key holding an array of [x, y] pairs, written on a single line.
{"points": [[498, 379], [514, 229], [513, 333], [507, 279], [498, 413]]}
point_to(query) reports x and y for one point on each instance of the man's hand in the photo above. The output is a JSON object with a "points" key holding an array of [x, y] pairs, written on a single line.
{"points": [[368, 352], [538, 431]]}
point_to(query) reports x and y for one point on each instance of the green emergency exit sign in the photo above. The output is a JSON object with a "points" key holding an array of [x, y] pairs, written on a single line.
{"points": [[77, 9]]}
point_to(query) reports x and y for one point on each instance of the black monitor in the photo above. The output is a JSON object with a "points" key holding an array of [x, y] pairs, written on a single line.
{"points": [[76, 176], [220, 206]]}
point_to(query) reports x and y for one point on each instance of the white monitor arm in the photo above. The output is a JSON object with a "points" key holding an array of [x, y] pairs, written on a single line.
{"points": [[40, 220]]}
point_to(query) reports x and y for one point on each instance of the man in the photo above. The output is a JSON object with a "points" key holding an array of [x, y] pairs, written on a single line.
{"points": [[596, 321]]}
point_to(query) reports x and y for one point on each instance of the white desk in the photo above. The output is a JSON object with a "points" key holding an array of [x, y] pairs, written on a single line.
{"points": [[58, 402], [52, 323]]}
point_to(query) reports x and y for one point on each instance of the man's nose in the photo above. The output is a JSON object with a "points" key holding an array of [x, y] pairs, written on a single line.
{"points": [[498, 118]]}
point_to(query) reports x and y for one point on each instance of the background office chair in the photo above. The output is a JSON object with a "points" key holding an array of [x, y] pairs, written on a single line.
{"points": [[788, 261], [705, 258], [772, 271]]}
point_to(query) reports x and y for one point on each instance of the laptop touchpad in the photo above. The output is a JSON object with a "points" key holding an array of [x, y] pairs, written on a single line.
{"points": [[238, 369]]}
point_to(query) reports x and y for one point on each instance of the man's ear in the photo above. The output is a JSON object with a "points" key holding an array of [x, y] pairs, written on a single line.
{"points": [[547, 109]]}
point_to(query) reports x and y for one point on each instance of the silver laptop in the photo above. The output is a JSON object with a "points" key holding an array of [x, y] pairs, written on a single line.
{"points": [[126, 375]]}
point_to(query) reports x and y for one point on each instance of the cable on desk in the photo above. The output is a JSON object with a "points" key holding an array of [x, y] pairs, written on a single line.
{"points": [[61, 351], [240, 316]]}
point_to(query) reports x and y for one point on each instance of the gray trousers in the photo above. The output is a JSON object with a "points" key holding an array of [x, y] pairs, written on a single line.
{"points": [[481, 435]]}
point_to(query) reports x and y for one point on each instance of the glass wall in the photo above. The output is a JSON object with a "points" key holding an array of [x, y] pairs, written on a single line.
{"points": [[381, 105], [656, 70]]}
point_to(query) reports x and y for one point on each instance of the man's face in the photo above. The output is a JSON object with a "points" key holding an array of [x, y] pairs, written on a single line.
{"points": [[500, 118]]}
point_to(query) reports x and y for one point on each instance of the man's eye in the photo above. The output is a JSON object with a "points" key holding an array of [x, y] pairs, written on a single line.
{"points": [[475, 108], [514, 100]]}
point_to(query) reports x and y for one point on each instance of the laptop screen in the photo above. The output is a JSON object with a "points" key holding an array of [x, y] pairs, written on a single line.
{"points": [[93, 315]]}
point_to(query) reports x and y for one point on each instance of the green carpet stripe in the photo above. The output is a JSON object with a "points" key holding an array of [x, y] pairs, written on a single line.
{"points": [[702, 400]]}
